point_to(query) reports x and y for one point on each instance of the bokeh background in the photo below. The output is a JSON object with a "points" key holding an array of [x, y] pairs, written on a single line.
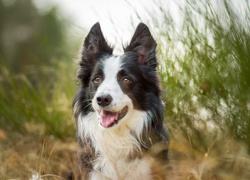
{"points": [[204, 64]]}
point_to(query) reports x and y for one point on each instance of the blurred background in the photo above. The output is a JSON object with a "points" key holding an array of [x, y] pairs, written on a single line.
{"points": [[204, 64]]}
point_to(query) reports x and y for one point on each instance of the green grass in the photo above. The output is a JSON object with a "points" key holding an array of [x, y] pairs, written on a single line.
{"points": [[205, 69], [47, 102], [37, 130]]}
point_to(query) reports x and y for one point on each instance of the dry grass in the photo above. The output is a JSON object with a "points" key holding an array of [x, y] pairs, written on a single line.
{"points": [[222, 158], [23, 156], [35, 156]]}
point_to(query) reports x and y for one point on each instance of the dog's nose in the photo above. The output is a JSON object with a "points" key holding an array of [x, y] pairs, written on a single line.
{"points": [[104, 100]]}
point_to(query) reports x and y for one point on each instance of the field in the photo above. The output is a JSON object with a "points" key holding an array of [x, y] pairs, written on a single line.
{"points": [[204, 65], [34, 156]]}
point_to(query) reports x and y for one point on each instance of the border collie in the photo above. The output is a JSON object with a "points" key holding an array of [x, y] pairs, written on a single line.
{"points": [[118, 109]]}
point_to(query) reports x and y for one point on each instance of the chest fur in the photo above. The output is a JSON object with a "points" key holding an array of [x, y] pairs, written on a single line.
{"points": [[118, 153], [138, 168]]}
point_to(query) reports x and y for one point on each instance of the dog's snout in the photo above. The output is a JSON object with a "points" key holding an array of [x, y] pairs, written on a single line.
{"points": [[104, 100]]}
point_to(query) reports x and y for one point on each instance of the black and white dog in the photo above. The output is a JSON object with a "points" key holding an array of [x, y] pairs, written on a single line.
{"points": [[118, 109]]}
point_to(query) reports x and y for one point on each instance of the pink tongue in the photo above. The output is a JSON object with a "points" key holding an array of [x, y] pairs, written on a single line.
{"points": [[107, 118]]}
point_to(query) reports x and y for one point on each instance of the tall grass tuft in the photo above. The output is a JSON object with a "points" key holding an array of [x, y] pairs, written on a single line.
{"points": [[43, 107], [205, 68]]}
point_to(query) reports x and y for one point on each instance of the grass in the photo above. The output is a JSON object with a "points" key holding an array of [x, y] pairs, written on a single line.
{"points": [[24, 156], [37, 133], [220, 157], [44, 103], [205, 81], [205, 69]]}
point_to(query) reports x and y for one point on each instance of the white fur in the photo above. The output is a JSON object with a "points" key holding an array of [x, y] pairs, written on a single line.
{"points": [[116, 144]]}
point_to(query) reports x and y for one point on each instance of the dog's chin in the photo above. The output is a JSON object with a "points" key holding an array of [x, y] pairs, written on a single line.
{"points": [[109, 118]]}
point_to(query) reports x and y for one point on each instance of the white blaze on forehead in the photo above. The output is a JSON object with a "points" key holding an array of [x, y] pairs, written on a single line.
{"points": [[110, 84], [111, 67]]}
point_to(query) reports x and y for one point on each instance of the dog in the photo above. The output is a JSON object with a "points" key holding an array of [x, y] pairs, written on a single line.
{"points": [[118, 109]]}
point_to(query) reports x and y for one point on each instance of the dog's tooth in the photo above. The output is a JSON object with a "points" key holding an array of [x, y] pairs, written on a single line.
{"points": [[101, 112]]}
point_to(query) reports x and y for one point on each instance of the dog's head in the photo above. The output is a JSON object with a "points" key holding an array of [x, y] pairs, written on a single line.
{"points": [[116, 87]]}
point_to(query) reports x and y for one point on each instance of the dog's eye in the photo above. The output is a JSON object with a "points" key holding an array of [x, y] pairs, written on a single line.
{"points": [[97, 80], [126, 80]]}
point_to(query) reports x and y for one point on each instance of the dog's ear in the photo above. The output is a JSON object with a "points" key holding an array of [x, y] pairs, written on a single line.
{"points": [[95, 43], [144, 45], [94, 47]]}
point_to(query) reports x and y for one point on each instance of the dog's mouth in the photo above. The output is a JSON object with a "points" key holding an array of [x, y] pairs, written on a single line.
{"points": [[109, 118]]}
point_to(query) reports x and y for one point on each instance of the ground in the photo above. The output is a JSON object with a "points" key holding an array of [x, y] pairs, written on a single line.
{"points": [[39, 156]]}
